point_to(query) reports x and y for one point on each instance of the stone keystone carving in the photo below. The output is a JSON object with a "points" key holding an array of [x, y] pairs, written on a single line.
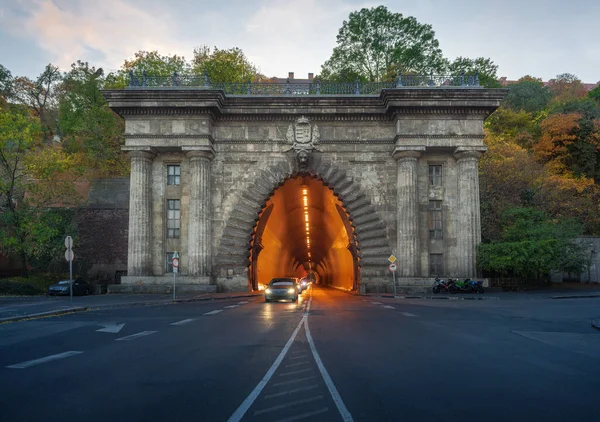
{"points": [[304, 138]]}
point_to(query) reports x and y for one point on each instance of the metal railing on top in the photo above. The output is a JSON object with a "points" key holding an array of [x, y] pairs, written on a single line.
{"points": [[301, 88]]}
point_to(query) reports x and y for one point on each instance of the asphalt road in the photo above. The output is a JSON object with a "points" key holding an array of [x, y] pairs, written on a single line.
{"points": [[330, 358]]}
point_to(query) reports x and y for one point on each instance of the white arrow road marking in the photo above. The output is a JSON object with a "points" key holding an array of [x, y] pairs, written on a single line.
{"points": [[111, 328], [50, 358], [214, 312], [184, 321], [408, 314], [134, 336], [388, 307]]}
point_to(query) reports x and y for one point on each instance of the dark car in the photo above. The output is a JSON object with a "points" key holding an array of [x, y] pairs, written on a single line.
{"points": [[281, 289], [80, 287]]}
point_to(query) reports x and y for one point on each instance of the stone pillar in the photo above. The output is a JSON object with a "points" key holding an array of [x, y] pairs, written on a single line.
{"points": [[408, 212], [139, 254], [468, 213], [199, 259]]}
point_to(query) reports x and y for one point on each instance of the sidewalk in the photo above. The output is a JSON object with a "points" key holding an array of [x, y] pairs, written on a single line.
{"points": [[19, 308]]}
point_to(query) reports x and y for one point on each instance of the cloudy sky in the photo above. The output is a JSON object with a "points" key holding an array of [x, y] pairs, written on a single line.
{"points": [[537, 37]]}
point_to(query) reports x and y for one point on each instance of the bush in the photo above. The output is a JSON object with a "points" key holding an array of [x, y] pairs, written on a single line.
{"points": [[12, 287]]}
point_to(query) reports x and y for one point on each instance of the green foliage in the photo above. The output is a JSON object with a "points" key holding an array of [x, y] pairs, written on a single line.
{"points": [[6, 81], [529, 96], [594, 94], [519, 126], [151, 62], [19, 288], [485, 68], [532, 245], [375, 42], [230, 65]]}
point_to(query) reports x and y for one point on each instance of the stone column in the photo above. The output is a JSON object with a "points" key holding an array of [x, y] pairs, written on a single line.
{"points": [[199, 259], [468, 213], [408, 212], [139, 254]]}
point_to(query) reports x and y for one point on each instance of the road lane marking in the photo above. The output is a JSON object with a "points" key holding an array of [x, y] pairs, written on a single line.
{"points": [[242, 302], [337, 399], [183, 321], [388, 307], [297, 364], [231, 306], [214, 312], [241, 411], [304, 415], [295, 390], [298, 357], [294, 381], [376, 303], [285, 374], [288, 404], [111, 328], [408, 314], [50, 358], [136, 335]]}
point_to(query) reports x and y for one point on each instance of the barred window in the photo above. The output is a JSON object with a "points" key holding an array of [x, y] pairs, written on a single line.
{"points": [[435, 175], [173, 175], [436, 264], [173, 217], [435, 220]]}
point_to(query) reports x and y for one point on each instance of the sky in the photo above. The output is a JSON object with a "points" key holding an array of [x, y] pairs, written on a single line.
{"points": [[542, 38]]}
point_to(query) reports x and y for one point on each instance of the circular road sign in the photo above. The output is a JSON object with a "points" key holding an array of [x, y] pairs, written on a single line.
{"points": [[392, 267], [175, 262], [69, 255], [68, 242]]}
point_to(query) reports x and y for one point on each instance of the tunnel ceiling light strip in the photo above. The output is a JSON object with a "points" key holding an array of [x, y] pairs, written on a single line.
{"points": [[305, 201]]}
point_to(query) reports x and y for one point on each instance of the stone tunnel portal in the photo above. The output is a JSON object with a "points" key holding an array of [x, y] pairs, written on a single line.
{"points": [[304, 229]]}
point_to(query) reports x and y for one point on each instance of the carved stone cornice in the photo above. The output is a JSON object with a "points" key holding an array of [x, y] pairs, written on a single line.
{"points": [[439, 136], [165, 136], [165, 111]]}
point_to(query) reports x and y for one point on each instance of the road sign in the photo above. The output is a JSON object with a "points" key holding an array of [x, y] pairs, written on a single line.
{"points": [[392, 267], [175, 255], [175, 262], [69, 255], [392, 259], [69, 242]]}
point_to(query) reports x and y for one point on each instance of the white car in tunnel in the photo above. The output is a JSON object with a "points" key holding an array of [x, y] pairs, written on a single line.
{"points": [[282, 289]]}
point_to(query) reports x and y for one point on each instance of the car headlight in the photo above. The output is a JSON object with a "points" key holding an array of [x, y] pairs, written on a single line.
{"points": [[291, 290], [268, 291]]}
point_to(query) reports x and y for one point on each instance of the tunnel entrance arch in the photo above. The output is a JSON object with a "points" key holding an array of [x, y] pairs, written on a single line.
{"points": [[304, 231]]}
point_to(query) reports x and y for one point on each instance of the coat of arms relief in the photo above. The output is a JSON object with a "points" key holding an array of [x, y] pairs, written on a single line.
{"points": [[304, 138]]}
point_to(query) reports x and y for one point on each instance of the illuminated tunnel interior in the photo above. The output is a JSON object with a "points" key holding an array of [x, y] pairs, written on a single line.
{"points": [[304, 229]]}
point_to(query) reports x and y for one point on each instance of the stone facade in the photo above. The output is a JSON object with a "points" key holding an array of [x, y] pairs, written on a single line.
{"points": [[376, 152]]}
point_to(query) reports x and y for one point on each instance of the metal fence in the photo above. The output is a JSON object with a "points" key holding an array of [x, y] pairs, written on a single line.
{"points": [[142, 80]]}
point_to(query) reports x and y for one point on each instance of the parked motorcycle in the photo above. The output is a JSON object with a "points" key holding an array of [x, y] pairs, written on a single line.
{"points": [[469, 285], [440, 285]]}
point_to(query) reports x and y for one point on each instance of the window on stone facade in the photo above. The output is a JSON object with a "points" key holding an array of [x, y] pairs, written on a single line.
{"points": [[173, 217], [173, 175], [436, 264], [435, 175], [435, 220]]}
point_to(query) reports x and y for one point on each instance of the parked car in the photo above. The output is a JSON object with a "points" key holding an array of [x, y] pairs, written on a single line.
{"points": [[80, 287], [282, 288]]}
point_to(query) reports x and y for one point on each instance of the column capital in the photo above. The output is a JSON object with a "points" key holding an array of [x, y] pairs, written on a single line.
{"points": [[143, 154], [404, 152], [199, 152], [464, 153]]}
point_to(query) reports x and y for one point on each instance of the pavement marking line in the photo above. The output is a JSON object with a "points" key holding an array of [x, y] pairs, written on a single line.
{"points": [[388, 307], [304, 415], [288, 404], [285, 374], [298, 357], [297, 364], [50, 358], [242, 302], [337, 399], [408, 314], [213, 312], [376, 303], [294, 381], [111, 328], [136, 335], [295, 390], [295, 352], [183, 321], [231, 306], [243, 408]]}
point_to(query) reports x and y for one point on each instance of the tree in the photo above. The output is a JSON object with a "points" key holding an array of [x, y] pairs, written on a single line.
{"points": [[230, 65], [532, 245], [6, 81], [150, 62], [484, 67], [40, 96], [373, 42], [527, 95], [89, 127], [594, 94], [516, 126], [566, 87]]}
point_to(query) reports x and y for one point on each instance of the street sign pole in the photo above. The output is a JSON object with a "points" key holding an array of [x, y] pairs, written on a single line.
{"points": [[69, 256], [394, 281], [175, 263], [392, 267]]}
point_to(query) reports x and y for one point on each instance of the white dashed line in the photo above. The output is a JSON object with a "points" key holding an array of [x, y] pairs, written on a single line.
{"points": [[408, 314], [185, 321], [288, 404], [376, 303], [388, 307], [231, 306], [134, 336], [214, 312], [50, 358], [242, 302]]}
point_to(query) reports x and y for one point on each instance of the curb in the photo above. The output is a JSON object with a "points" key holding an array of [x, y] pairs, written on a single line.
{"points": [[575, 296], [165, 302], [596, 324], [441, 297], [43, 314]]}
